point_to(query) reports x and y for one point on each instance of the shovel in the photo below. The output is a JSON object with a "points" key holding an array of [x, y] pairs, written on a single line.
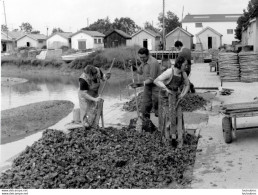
{"points": [[139, 120], [98, 111]]}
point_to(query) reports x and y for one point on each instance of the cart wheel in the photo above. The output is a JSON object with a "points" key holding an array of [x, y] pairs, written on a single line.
{"points": [[227, 129]]}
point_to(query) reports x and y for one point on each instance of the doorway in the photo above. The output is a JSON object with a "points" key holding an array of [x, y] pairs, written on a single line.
{"points": [[209, 42], [4, 47], [81, 45], [28, 44], [145, 43]]}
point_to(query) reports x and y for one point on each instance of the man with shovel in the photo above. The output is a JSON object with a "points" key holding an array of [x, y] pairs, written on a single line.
{"points": [[150, 69]]}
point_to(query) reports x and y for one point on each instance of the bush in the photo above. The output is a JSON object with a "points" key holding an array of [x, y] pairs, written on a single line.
{"points": [[104, 58]]}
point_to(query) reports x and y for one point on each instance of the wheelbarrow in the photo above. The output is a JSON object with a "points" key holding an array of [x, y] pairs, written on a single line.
{"points": [[233, 111]]}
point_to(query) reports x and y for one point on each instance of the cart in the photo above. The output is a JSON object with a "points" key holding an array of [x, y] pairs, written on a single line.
{"points": [[233, 111]]}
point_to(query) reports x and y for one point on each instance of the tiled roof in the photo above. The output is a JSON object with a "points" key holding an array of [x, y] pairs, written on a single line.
{"points": [[125, 35], [62, 34], [209, 28], [211, 18], [91, 33], [15, 34], [122, 33], [35, 36], [4, 37], [151, 32], [181, 29]]}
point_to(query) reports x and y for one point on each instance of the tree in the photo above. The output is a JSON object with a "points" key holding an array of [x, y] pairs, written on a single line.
{"points": [[55, 30], [4, 28], [35, 32], [242, 22], [26, 27], [148, 25], [126, 24], [171, 21], [101, 25]]}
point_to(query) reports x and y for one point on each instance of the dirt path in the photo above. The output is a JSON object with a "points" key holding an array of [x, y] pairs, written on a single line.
{"points": [[17, 123]]}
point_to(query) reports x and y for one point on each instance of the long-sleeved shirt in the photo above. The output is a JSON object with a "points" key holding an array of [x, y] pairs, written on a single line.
{"points": [[151, 69]]}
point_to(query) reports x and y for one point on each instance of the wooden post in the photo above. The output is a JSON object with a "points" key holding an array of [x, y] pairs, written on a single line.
{"points": [[126, 77], [180, 126], [102, 118]]}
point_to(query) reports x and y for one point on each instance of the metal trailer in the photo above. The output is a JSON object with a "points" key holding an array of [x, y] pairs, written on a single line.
{"points": [[229, 125]]}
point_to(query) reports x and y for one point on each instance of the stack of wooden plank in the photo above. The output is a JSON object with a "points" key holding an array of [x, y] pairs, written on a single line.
{"points": [[249, 66], [214, 56], [239, 108], [229, 68]]}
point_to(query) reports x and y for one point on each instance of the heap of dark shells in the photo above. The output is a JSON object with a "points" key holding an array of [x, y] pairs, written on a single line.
{"points": [[100, 158]]}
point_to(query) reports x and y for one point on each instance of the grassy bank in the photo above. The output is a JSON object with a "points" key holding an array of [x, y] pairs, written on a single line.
{"points": [[101, 59], [17, 66]]}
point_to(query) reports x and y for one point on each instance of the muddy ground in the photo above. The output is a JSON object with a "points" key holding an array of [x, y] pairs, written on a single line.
{"points": [[17, 123]]}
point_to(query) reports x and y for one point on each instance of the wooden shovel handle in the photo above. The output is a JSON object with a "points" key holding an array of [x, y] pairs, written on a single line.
{"points": [[106, 80]]}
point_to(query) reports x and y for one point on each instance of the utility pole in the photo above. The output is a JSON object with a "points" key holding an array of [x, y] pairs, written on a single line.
{"points": [[182, 16], [164, 41], [5, 20], [87, 22]]}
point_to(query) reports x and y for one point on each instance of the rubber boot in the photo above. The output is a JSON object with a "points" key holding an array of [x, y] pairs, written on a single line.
{"points": [[192, 89]]}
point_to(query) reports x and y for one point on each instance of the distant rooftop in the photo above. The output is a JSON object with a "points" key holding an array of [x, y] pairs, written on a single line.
{"points": [[15, 34], [211, 18], [35, 36], [66, 35], [91, 33]]}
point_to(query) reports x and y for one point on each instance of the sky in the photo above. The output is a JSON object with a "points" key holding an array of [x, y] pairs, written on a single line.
{"points": [[72, 15]]}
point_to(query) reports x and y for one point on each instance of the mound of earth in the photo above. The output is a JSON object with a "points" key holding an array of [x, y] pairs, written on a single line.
{"points": [[189, 103], [100, 158], [17, 123], [9, 81]]}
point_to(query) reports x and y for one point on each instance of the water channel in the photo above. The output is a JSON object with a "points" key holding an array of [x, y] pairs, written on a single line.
{"points": [[43, 88]]}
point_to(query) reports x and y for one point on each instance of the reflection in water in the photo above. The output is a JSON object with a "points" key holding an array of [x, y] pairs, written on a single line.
{"points": [[24, 88], [45, 87]]}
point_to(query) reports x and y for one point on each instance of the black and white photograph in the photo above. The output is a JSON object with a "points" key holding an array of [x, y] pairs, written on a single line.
{"points": [[129, 94]]}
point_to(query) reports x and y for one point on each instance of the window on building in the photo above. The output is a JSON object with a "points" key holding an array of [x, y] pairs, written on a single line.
{"points": [[40, 41], [229, 31], [198, 25], [95, 41], [99, 41]]}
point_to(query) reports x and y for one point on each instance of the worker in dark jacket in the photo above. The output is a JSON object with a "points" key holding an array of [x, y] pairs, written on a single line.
{"points": [[186, 53], [150, 69]]}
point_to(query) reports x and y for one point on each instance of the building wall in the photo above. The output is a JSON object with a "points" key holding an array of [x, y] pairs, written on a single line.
{"points": [[216, 40], [250, 35], [89, 41], [180, 36], [33, 43], [114, 40], [153, 43], [220, 27], [9, 46], [56, 41]]}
